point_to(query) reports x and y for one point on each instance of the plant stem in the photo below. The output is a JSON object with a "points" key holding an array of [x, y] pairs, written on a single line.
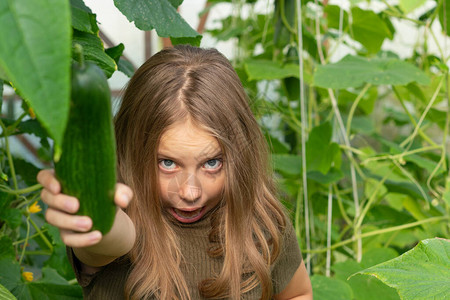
{"points": [[26, 241], [22, 191], [329, 222], [372, 198], [38, 252], [380, 231], [354, 105], [44, 238], [8, 154], [421, 133], [422, 117], [341, 206], [303, 133], [403, 154]]}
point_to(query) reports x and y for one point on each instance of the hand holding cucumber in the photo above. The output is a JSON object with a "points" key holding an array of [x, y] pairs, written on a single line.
{"points": [[74, 229]]}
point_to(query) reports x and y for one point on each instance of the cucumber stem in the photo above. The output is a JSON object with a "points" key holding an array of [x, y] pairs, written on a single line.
{"points": [[78, 54]]}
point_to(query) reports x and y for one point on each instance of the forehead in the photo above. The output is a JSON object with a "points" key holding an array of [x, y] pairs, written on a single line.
{"points": [[185, 138]]}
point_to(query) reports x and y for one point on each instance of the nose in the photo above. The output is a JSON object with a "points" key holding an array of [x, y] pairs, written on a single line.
{"points": [[190, 189]]}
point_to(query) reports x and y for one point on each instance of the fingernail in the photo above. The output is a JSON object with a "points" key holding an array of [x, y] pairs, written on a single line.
{"points": [[95, 236]]}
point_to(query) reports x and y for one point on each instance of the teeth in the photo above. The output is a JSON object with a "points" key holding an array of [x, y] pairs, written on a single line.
{"points": [[188, 214]]}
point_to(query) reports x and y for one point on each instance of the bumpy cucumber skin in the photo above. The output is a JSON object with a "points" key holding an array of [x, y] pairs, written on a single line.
{"points": [[87, 166]]}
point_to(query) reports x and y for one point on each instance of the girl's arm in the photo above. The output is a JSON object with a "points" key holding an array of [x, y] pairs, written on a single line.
{"points": [[298, 288], [90, 247]]}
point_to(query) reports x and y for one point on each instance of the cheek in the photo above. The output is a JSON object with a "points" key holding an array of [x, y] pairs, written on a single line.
{"points": [[163, 188], [214, 186]]}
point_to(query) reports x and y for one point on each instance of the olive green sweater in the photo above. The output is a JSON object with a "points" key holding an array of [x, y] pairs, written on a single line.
{"points": [[108, 284]]}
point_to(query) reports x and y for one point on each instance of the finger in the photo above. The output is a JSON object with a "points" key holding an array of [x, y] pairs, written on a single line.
{"points": [[123, 195], [48, 180], [68, 222], [61, 202], [78, 240]]}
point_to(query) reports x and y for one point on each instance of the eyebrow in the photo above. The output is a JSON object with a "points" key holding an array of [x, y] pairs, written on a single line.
{"points": [[201, 156]]}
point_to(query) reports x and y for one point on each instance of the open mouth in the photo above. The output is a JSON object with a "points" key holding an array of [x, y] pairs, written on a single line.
{"points": [[188, 216]]}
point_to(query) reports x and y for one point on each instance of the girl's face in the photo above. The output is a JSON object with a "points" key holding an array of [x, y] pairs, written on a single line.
{"points": [[191, 171]]}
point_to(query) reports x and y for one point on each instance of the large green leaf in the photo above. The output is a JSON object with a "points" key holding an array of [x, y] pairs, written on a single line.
{"points": [[325, 288], [369, 29], [160, 15], [35, 55], [421, 273], [263, 69], [354, 71], [5, 294], [366, 287]]}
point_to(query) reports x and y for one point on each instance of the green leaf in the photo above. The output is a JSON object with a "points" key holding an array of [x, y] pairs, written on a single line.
{"points": [[115, 52], [27, 171], [369, 29], [364, 287], [6, 248], [363, 124], [325, 288], [9, 274], [53, 287], [421, 273], [409, 5], [176, 3], [287, 163], [5, 294], [160, 15], [126, 67], [377, 255], [333, 15], [321, 153], [263, 69], [123, 66], [82, 17], [333, 175], [35, 55], [276, 146], [354, 71], [12, 217], [58, 260], [50, 287], [93, 50]]}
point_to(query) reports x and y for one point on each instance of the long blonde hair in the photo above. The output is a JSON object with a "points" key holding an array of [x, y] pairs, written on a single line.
{"points": [[201, 84]]}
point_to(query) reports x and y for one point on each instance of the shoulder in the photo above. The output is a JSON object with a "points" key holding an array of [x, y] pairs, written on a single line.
{"points": [[289, 259]]}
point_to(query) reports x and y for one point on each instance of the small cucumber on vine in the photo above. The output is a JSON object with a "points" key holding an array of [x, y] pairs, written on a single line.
{"points": [[86, 168]]}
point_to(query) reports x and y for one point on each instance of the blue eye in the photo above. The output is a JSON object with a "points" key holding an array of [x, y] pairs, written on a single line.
{"points": [[213, 164], [167, 164]]}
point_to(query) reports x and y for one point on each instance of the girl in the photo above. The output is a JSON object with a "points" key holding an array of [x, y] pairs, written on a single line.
{"points": [[204, 221]]}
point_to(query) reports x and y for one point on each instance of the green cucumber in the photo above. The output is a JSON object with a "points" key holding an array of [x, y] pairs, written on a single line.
{"points": [[86, 168]]}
